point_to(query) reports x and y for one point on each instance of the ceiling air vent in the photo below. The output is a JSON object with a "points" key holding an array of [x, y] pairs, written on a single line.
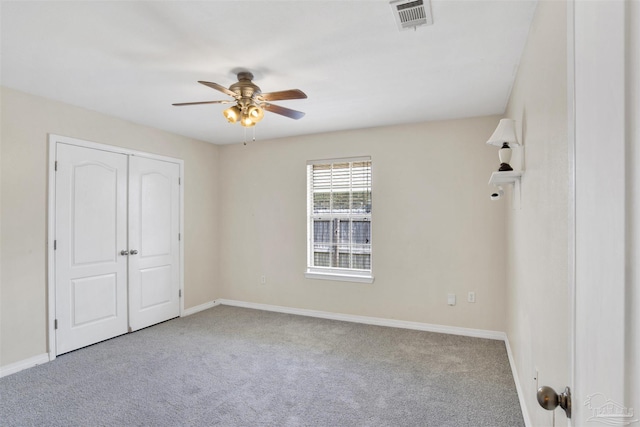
{"points": [[411, 13]]}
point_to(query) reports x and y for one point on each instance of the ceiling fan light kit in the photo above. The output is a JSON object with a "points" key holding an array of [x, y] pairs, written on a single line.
{"points": [[232, 114], [255, 113], [251, 103]]}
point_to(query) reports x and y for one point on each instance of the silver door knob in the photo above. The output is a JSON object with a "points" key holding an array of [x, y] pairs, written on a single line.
{"points": [[550, 400], [133, 252], [124, 253]]}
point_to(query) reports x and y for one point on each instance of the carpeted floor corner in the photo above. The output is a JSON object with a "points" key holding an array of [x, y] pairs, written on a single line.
{"points": [[230, 366]]}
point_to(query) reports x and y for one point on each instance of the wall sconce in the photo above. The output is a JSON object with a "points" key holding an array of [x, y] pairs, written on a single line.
{"points": [[503, 137]]}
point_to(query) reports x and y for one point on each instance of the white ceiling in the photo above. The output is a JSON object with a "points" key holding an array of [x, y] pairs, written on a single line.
{"points": [[133, 59]]}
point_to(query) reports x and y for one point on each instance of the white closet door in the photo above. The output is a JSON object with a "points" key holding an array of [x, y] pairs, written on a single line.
{"points": [[154, 281], [91, 230]]}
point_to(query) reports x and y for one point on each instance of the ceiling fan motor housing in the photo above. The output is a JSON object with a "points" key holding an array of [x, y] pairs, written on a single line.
{"points": [[244, 87]]}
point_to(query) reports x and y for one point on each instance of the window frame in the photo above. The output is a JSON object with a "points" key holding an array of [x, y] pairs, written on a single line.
{"points": [[336, 273]]}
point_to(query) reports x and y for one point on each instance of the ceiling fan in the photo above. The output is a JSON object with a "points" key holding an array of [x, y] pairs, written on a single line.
{"points": [[250, 102]]}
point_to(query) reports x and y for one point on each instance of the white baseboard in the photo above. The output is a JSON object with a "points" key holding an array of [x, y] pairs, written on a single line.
{"points": [[46, 357], [516, 379], [378, 321], [197, 308], [12, 368], [454, 330]]}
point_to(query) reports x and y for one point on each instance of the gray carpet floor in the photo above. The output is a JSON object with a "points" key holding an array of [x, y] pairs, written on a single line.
{"points": [[230, 366]]}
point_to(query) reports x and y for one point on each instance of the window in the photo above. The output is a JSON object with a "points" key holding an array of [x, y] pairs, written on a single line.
{"points": [[339, 219]]}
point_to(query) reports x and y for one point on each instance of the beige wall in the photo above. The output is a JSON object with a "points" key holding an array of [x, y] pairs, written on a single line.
{"points": [[435, 231], [538, 266], [26, 122]]}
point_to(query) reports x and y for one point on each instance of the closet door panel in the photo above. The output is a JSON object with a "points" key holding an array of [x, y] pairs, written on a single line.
{"points": [[91, 230], [154, 282]]}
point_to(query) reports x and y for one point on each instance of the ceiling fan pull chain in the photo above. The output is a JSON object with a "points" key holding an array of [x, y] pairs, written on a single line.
{"points": [[245, 136], [254, 134]]}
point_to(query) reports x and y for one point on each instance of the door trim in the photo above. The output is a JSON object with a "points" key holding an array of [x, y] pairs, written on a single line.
{"points": [[601, 204], [51, 204], [571, 220]]}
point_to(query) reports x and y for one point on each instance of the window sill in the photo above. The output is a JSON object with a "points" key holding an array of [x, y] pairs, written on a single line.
{"points": [[339, 277]]}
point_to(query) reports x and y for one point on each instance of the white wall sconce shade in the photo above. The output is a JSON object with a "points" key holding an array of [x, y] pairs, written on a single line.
{"points": [[505, 132], [503, 136]]}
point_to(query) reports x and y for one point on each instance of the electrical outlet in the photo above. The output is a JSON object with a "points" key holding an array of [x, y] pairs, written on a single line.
{"points": [[451, 299], [263, 280], [471, 297]]}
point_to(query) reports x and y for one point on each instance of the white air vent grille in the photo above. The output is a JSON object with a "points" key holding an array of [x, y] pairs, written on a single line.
{"points": [[411, 13]]}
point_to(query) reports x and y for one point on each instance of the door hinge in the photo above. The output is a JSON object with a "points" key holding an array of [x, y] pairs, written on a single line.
{"points": [[179, 293], [179, 236], [179, 181], [55, 245], [55, 324], [55, 166]]}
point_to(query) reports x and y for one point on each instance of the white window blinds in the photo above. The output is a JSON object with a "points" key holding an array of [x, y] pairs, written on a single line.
{"points": [[339, 216]]}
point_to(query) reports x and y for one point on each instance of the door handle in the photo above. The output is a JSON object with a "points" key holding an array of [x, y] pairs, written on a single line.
{"points": [[133, 252], [124, 253], [550, 400]]}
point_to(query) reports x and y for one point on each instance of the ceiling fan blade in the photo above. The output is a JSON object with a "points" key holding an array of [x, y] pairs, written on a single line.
{"points": [[283, 95], [180, 104], [222, 89], [292, 114]]}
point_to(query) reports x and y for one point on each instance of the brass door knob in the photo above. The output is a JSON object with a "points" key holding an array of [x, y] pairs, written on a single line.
{"points": [[550, 400]]}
